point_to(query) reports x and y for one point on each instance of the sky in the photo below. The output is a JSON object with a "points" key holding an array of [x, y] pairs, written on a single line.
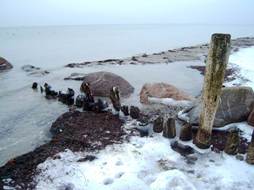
{"points": [[81, 12]]}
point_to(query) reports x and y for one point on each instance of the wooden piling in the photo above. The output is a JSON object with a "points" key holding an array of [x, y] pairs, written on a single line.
{"points": [[214, 77]]}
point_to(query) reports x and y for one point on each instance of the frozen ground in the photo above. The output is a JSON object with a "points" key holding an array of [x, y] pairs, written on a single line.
{"points": [[148, 164]]}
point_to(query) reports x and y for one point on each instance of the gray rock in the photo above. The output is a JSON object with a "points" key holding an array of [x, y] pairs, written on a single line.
{"points": [[134, 112], [102, 82], [4, 64], [32, 70], [235, 106]]}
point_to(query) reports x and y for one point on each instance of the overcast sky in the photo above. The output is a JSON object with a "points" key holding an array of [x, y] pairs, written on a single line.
{"points": [[79, 12]]}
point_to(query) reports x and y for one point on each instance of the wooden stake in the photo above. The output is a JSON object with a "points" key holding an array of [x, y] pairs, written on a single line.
{"points": [[214, 77]]}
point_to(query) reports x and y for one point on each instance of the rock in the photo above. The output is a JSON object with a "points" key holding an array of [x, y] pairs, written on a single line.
{"points": [[125, 110], [67, 98], [158, 125], [184, 150], [102, 82], [87, 158], [186, 132], [161, 90], [4, 64], [235, 106], [169, 130], [239, 157], [34, 85], [80, 101], [251, 118], [134, 112], [32, 70], [232, 143]]}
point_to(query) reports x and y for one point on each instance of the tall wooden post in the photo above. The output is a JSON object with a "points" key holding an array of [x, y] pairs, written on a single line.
{"points": [[214, 77]]}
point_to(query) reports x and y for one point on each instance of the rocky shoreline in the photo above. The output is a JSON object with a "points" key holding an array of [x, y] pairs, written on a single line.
{"points": [[190, 53], [76, 131]]}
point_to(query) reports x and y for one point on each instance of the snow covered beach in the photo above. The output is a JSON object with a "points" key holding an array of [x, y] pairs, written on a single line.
{"points": [[156, 172]]}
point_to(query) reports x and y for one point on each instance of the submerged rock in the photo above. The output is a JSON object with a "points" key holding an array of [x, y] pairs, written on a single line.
{"points": [[102, 82], [161, 90], [235, 106], [32, 70], [4, 64]]}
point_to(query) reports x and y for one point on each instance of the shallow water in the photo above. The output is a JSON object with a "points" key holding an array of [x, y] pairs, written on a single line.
{"points": [[25, 115]]}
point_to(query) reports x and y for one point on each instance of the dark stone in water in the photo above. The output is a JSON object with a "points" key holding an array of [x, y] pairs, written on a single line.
{"points": [[67, 98], [88, 158], [134, 112], [80, 101], [125, 110], [169, 131], [35, 85], [232, 143]]}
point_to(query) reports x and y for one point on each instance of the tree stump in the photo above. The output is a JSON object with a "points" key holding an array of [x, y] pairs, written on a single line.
{"points": [[214, 77], [186, 132], [232, 143], [169, 130], [158, 125], [250, 151]]}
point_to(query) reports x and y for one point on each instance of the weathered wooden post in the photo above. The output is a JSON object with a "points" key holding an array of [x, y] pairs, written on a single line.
{"points": [[215, 70]]}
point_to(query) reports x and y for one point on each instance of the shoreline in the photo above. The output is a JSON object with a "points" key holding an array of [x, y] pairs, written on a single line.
{"points": [[188, 53]]}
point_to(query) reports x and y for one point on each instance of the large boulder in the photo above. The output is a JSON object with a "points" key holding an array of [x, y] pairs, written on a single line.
{"points": [[102, 82], [235, 106], [161, 90], [4, 64]]}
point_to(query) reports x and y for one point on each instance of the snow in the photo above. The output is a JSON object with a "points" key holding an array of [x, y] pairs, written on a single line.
{"points": [[144, 163], [244, 60]]}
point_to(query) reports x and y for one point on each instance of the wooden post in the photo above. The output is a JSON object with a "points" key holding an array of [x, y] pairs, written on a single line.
{"points": [[214, 77]]}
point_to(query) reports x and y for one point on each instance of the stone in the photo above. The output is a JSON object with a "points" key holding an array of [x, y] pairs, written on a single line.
{"points": [[80, 101], [169, 130], [235, 106], [182, 149], [161, 90], [232, 143], [35, 71], [34, 85], [125, 110], [4, 64], [186, 132], [102, 82], [134, 112], [158, 124], [251, 118], [239, 157]]}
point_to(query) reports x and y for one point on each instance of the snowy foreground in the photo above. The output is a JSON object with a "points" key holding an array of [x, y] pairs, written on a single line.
{"points": [[146, 163], [149, 163]]}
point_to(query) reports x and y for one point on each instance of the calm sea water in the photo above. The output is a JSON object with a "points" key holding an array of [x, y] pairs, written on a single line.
{"points": [[25, 116]]}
